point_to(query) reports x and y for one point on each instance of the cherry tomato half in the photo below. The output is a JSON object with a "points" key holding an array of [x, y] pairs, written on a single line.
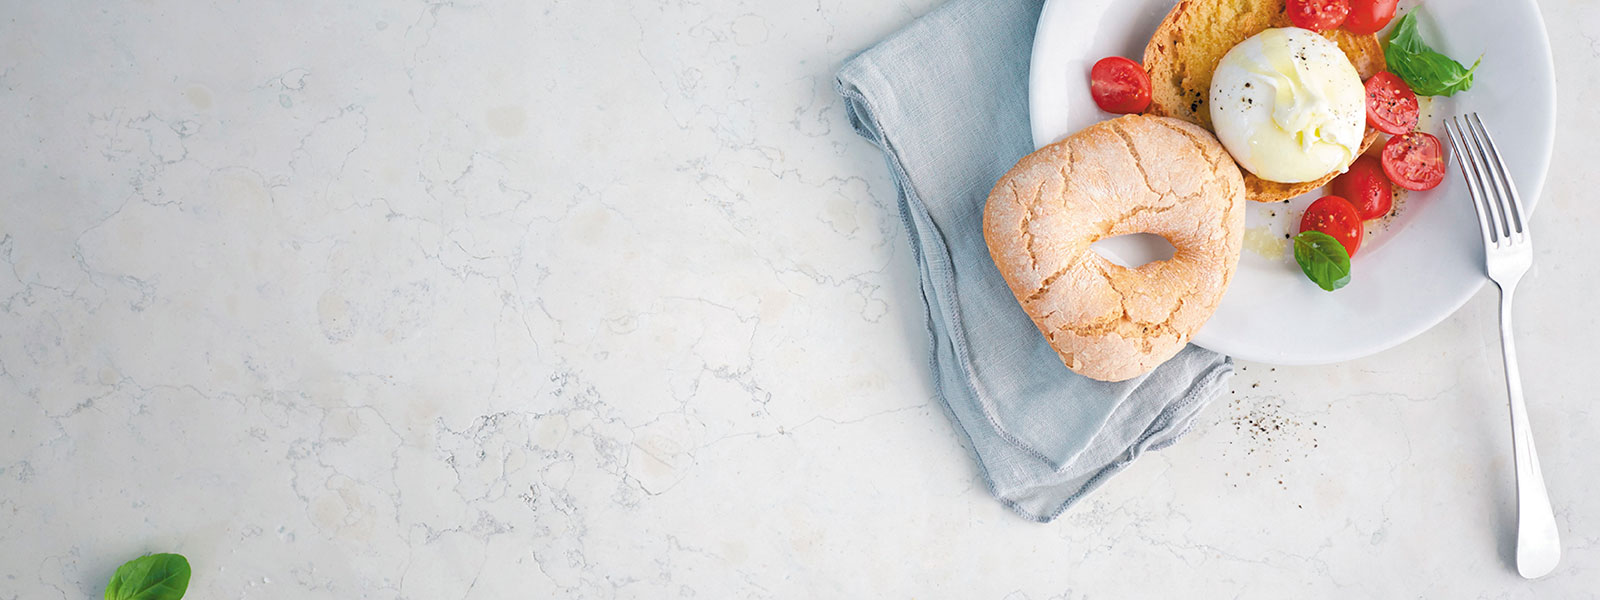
{"points": [[1317, 15], [1366, 187], [1119, 85], [1414, 161], [1391, 105], [1336, 217], [1369, 16]]}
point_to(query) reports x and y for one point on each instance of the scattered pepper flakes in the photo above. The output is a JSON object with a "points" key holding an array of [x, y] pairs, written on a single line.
{"points": [[1268, 426]]}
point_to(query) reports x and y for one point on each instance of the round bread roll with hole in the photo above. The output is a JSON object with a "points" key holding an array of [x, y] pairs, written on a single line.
{"points": [[1134, 174]]}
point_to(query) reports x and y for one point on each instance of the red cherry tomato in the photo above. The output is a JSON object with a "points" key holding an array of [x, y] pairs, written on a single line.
{"points": [[1336, 217], [1317, 15], [1369, 16], [1414, 161], [1391, 105], [1366, 187], [1119, 85]]}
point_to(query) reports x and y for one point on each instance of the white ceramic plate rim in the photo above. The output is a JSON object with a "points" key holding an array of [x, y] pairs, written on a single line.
{"points": [[1070, 36]]}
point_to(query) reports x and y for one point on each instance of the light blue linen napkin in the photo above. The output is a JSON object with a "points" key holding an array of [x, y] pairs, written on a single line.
{"points": [[946, 100]]}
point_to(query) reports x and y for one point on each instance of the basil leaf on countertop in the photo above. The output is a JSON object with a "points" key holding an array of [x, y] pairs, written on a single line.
{"points": [[1323, 259], [150, 577], [1428, 72]]}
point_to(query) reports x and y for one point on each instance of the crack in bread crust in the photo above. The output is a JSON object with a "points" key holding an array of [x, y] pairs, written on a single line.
{"points": [[1109, 225], [1044, 286], [1204, 149], [1138, 163]]}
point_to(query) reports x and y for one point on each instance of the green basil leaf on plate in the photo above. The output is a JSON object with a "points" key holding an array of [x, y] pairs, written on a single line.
{"points": [[1428, 72], [1323, 259], [150, 577]]}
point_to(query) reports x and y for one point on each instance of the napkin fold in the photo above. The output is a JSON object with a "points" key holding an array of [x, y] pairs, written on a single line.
{"points": [[946, 99]]}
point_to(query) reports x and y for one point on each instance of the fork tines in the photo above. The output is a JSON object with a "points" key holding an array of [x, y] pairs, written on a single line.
{"points": [[1500, 214]]}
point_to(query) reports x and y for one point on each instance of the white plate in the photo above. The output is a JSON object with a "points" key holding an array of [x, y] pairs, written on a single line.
{"points": [[1411, 272]]}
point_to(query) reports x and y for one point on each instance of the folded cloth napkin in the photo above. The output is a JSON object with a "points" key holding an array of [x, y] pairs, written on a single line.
{"points": [[946, 100]]}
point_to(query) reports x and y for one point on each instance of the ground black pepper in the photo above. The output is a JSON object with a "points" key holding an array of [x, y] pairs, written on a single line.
{"points": [[1271, 434]]}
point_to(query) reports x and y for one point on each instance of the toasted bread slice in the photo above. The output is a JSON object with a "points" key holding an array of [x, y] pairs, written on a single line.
{"points": [[1192, 39]]}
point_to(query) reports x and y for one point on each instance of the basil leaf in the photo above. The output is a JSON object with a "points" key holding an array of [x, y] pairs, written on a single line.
{"points": [[1429, 73], [1323, 259], [150, 577]]}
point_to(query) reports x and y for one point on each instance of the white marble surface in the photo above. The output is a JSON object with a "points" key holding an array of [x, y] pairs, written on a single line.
{"points": [[487, 299]]}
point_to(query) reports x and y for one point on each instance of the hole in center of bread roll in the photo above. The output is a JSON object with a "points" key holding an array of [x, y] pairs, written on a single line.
{"points": [[1134, 250]]}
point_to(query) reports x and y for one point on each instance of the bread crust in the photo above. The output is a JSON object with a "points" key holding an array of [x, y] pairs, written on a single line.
{"points": [[1183, 53], [1134, 174]]}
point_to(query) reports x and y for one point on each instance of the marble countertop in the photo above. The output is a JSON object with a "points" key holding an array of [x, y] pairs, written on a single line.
{"points": [[487, 299]]}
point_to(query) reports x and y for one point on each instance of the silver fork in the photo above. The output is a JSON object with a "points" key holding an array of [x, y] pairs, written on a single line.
{"points": [[1509, 251]]}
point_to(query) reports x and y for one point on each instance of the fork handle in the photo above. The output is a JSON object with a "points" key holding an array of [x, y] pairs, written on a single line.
{"points": [[1538, 542]]}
